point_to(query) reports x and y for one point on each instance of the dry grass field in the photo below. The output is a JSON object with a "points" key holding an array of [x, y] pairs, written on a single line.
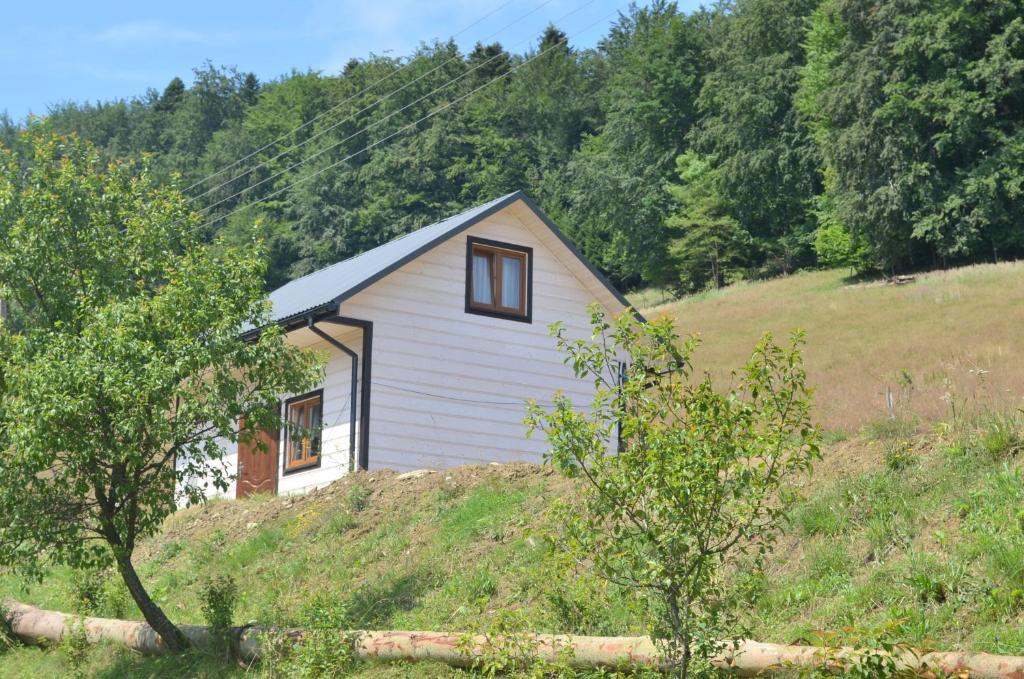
{"points": [[949, 340]]}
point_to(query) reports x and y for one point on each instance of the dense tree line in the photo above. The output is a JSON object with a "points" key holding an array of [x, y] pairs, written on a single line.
{"points": [[750, 139]]}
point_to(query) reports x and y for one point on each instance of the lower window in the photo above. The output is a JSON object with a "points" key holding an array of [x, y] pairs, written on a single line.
{"points": [[305, 425]]}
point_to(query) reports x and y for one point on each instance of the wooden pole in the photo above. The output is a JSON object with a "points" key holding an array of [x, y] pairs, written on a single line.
{"points": [[746, 659]]}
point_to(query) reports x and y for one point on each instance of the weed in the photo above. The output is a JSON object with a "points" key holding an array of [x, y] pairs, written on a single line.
{"points": [[834, 436], [219, 595], [322, 650], [98, 592], [87, 591], [447, 493], [339, 524], [167, 552], [74, 646], [6, 636], [821, 515], [928, 588], [508, 648], [899, 455], [890, 429], [828, 560], [1001, 435], [358, 497]]}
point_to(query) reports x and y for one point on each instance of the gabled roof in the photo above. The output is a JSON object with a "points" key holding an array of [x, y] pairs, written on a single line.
{"points": [[328, 287]]}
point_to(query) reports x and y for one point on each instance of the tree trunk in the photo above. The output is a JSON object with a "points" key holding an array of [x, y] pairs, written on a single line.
{"points": [[169, 634], [745, 658]]}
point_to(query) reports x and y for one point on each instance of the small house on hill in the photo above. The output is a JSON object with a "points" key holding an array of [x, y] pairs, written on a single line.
{"points": [[435, 341]]}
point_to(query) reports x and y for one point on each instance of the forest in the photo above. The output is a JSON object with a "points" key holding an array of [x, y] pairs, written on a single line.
{"points": [[745, 140]]}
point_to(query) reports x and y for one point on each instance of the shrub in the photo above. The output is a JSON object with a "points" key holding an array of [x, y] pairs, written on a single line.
{"points": [[219, 599], [358, 497], [680, 479], [325, 649]]}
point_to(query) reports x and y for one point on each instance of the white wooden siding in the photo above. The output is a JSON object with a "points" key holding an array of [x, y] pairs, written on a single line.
{"points": [[229, 464], [449, 387], [334, 457]]}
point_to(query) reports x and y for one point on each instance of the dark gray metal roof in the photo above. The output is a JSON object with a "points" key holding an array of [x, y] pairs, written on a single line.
{"points": [[328, 287]]}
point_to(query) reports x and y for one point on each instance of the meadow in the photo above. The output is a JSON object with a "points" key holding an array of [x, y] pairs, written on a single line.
{"points": [[946, 343]]}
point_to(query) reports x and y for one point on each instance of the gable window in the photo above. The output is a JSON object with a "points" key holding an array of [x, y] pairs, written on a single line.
{"points": [[303, 431], [498, 279]]}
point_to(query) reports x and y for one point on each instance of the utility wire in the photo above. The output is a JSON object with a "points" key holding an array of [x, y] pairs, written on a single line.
{"points": [[517, 404], [353, 115], [405, 128], [369, 127], [348, 99]]}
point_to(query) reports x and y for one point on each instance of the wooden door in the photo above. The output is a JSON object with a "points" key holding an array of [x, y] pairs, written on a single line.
{"points": [[257, 470]]}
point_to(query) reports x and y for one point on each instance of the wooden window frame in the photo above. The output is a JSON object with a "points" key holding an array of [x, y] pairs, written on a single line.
{"points": [[524, 313], [308, 461]]}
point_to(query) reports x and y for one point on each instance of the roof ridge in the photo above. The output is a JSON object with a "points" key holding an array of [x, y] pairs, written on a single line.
{"points": [[395, 240]]}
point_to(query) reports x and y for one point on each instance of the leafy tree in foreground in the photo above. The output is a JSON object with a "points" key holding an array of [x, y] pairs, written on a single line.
{"points": [[126, 365], [699, 480]]}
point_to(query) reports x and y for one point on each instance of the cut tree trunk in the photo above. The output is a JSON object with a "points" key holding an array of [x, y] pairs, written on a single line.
{"points": [[747, 659]]}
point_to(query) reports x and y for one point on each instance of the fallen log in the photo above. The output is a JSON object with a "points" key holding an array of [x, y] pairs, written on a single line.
{"points": [[745, 658]]}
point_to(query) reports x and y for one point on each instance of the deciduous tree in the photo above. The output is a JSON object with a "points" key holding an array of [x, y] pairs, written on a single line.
{"points": [[698, 478], [128, 367]]}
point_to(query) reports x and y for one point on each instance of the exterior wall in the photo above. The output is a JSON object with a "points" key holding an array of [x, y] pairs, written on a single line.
{"points": [[230, 466], [334, 459], [449, 387], [334, 456]]}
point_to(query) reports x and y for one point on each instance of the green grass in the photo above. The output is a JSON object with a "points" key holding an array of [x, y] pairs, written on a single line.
{"points": [[932, 552], [909, 526], [386, 554]]}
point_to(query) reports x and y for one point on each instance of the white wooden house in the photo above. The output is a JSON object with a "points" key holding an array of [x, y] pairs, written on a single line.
{"points": [[435, 341]]}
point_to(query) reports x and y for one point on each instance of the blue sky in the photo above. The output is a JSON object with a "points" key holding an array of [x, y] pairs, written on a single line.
{"points": [[87, 51]]}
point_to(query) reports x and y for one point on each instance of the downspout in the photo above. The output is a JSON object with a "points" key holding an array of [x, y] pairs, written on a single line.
{"points": [[363, 459], [354, 381]]}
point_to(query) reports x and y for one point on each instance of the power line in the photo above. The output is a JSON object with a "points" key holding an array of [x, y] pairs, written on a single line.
{"points": [[351, 116], [404, 128], [339, 105], [364, 129], [516, 404]]}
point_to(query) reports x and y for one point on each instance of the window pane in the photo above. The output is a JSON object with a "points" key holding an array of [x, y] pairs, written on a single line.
{"points": [[295, 422], [482, 279], [316, 411], [511, 277]]}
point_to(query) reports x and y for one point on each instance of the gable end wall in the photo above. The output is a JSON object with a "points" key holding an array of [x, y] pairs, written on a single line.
{"points": [[449, 386]]}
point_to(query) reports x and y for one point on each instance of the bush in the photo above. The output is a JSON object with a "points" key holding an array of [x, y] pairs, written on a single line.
{"points": [[324, 650], [219, 599], [680, 478]]}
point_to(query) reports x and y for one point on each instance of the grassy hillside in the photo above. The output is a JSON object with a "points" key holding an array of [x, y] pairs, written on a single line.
{"points": [[910, 528], [948, 340], [917, 537]]}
